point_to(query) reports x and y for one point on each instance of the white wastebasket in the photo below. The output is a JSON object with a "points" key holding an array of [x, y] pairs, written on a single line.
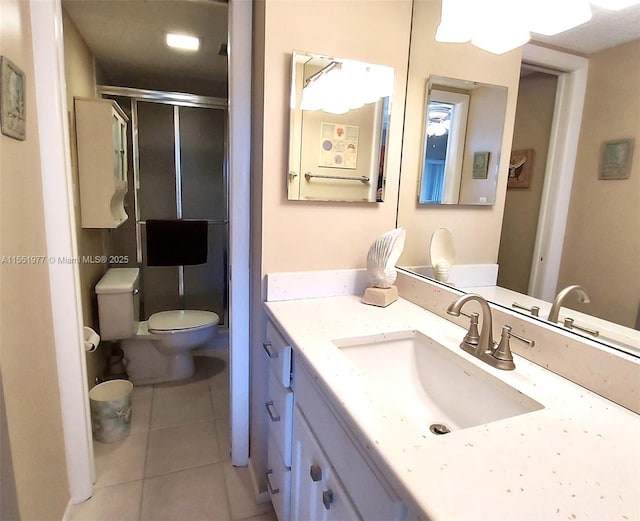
{"points": [[111, 410]]}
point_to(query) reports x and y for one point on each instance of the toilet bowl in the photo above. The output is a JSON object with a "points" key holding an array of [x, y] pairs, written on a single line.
{"points": [[156, 350]]}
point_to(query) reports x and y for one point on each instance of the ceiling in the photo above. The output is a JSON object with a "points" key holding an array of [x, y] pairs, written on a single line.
{"points": [[605, 29], [127, 39]]}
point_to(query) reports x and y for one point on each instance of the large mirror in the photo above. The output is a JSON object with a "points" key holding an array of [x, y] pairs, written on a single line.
{"points": [[600, 248], [462, 133], [339, 119]]}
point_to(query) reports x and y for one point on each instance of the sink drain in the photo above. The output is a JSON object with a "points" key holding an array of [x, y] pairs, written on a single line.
{"points": [[439, 428]]}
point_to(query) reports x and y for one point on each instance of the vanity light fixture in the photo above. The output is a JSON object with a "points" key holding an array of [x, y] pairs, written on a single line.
{"points": [[183, 41], [499, 26]]}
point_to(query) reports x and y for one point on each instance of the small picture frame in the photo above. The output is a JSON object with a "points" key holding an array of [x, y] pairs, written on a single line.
{"points": [[480, 165], [520, 168], [615, 159], [13, 116]]}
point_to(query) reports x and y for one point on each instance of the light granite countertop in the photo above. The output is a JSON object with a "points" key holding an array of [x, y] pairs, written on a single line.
{"points": [[578, 458]]}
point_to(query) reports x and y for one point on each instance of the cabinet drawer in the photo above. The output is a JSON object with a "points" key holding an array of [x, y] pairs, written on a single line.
{"points": [[318, 494], [374, 500], [279, 352], [279, 410], [278, 482]]}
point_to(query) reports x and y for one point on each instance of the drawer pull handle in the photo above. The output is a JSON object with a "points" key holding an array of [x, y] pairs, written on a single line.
{"points": [[271, 410], [270, 353], [315, 472], [272, 491], [327, 498]]}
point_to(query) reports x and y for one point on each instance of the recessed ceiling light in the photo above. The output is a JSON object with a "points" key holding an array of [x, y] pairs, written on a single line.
{"points": [[183, 41]]}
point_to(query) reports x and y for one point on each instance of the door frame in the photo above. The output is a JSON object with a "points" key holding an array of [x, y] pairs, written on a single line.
{"points": [[60, 232], [50, 87], [563, 145]]}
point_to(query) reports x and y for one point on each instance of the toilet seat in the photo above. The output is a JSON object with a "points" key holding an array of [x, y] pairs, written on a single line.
{"points": [[167, 322]]}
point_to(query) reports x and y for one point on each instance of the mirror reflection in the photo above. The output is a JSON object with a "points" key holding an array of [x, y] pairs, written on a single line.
{"points": [[339, 119], [463, 129], [599, 246]]}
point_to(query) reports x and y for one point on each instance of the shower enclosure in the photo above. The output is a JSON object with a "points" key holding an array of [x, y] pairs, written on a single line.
{"points": [[177, 170]]}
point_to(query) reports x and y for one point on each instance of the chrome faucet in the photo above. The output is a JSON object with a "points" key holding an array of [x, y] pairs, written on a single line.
{"points": [[562, 294]]}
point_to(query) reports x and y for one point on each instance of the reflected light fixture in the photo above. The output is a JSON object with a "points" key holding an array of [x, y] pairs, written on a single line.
{"points": [[499, 26], [183, 41], [346, 85]]}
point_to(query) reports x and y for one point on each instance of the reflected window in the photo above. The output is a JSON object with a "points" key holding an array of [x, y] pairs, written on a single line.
{"points": [[445, 129], [438, 123]]}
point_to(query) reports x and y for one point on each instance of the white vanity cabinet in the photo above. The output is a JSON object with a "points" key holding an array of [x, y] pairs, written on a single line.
{"points": [[279, 412], [101, 136], [317, 470], [319, 494]]}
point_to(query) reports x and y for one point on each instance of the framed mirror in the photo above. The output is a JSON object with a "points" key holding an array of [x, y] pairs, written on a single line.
{"points": [[339, 119], [462, 134]]}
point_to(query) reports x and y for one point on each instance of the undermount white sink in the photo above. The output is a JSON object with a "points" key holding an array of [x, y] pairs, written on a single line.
{"points": [[431, 384]]}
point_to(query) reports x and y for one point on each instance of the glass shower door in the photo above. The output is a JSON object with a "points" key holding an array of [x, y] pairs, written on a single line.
{"points": [[182, 176]]}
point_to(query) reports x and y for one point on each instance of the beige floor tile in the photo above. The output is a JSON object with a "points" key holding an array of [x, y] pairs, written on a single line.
{"points": [[189, 495], [223, 430], [140, 415], [142, 393], [220, 381], [242, 500], [270, 516], [220, 400], [173, 406], [180, 448], [121, 461], [119, 502]]}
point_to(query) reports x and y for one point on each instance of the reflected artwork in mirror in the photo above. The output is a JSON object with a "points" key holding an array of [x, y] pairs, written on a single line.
{"points": [[339, 118], [463, 121]]}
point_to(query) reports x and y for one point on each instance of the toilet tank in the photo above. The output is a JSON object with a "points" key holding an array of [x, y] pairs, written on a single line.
{"points": [[118, 303]]}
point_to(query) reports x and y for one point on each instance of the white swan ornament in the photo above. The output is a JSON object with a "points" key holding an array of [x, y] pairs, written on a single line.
{"points": [[381, 268]]}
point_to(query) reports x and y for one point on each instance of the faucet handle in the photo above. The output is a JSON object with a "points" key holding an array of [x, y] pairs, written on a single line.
{"points": [[502, 352], [473, 336]]}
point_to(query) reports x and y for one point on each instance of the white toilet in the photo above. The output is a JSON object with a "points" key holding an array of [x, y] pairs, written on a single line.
{"points": [[159, 349]]}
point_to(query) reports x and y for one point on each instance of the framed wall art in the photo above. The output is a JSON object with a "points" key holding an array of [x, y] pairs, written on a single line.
{"points": [[615, 159], [480, 165], [520, 168], [13, 116]]}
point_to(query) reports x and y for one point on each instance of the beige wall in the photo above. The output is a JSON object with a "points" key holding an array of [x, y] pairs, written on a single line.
{"points": [[602, 244], [306, 235], [80, 78], [27, 357], [485, 126], [476, 230], [302, 235], [534, 115]]}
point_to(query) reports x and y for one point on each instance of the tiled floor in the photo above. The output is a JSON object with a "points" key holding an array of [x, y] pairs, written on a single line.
{"points": [[174, 465]]}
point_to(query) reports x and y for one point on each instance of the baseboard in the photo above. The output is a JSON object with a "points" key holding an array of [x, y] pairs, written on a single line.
{"points": [[261, 496]]}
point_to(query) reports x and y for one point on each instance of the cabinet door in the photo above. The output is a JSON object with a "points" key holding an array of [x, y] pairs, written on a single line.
{"points": [[119, 128], [318, 494]]}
